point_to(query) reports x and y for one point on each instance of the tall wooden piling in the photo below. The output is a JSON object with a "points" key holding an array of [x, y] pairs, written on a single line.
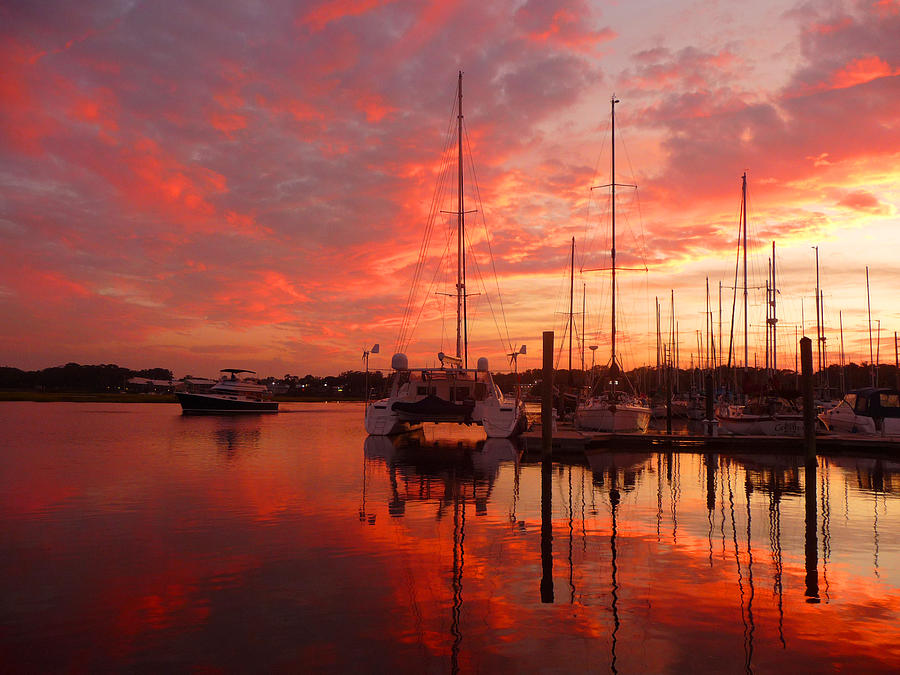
{"points": [[809, 402], [546, 472], [547, 398]]}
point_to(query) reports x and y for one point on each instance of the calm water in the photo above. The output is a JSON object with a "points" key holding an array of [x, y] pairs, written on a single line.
{"points": [[134, 538]]}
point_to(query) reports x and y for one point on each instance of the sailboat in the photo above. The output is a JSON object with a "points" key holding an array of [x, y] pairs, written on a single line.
{"points": [[768, 415], [452, 392], [613, 409]]}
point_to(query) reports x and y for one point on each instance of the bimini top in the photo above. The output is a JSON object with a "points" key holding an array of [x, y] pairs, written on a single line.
{"points": [[237, 370], [875, 402]]}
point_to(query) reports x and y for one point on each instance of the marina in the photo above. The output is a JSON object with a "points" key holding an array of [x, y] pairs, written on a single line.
{"points": [[561, 337]]}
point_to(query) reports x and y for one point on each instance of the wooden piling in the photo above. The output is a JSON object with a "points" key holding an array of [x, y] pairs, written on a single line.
{"points": [[809, 402], [547, 398]]}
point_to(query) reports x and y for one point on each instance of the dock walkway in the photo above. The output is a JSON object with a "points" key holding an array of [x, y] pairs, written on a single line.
{"points": [[567, 439]]}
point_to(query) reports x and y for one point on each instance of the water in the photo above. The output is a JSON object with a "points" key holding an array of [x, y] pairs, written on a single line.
{"points": [[135, 538]]}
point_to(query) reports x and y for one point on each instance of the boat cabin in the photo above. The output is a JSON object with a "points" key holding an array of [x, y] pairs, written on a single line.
{"points": [[876, 403]]}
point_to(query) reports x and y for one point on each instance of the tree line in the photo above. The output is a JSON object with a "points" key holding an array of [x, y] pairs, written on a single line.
{"points": [[73, 377]]}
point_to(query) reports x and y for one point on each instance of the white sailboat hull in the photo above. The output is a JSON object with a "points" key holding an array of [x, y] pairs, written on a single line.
{"points": [[599, 415], [382, 421], [503, 419], [762, 425]]}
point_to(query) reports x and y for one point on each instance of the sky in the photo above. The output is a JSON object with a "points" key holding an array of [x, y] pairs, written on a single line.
{"points": [[203, 185]]}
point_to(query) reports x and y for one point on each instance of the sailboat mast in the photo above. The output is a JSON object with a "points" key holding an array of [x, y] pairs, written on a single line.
{"points": [[571, 308], [869, 310], [613, 102], [583, 316], [774, 317], [744, 216], [843, 373], [818, 312], [462, 333]]}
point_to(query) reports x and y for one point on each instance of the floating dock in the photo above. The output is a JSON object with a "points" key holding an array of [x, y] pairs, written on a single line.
{"points": [[567, 439]]}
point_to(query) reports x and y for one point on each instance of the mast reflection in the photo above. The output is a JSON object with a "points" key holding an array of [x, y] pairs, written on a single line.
{"points": [[452, 475], [777, 476], [614, 470]]}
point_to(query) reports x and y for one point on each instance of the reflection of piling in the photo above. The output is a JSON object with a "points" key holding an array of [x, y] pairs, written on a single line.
{"points": [[546, 526], [812, 546], [809, 403], [547, 399]]}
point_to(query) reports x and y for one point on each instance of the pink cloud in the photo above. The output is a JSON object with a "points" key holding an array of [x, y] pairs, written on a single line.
{"points": [[860, 200], [328, 12]]}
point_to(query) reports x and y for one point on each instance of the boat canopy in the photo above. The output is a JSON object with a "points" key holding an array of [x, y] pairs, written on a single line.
{"points": [[880, 402]]}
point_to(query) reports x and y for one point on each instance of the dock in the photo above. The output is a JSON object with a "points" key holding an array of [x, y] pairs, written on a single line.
{"points": [[569, 440]]}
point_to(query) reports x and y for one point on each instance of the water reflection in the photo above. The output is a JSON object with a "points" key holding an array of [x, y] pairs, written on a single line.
{"points": [[420, 470], [235, 437], [748, 501], [139, 541], [451, 475]]}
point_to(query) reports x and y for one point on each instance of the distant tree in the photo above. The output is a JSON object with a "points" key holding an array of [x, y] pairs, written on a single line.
{"points": [[154, 373]]}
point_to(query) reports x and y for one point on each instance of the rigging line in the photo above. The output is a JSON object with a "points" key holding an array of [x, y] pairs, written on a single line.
{"points": [[415, 288], [588, 240], [405, 328], [487, 296], [445, 266], [437, 271], [432, 213], [636, 198], [432, 220], [737, 262], [487, 236]]}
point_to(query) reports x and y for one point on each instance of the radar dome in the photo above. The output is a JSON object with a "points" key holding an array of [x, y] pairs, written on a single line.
{"points": [[399, 361], [482, 365]]}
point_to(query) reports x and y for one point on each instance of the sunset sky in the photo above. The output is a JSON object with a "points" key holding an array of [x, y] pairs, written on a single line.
{"points": [[203, 185]]}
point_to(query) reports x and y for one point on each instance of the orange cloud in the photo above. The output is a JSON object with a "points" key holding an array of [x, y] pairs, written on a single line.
{"points": [[158, 178], [373, 106], [862, 70]]}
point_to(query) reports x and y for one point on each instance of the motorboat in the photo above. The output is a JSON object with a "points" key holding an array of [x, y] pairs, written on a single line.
{"points": [[229, 395], [866, 411], [448, 394]]}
